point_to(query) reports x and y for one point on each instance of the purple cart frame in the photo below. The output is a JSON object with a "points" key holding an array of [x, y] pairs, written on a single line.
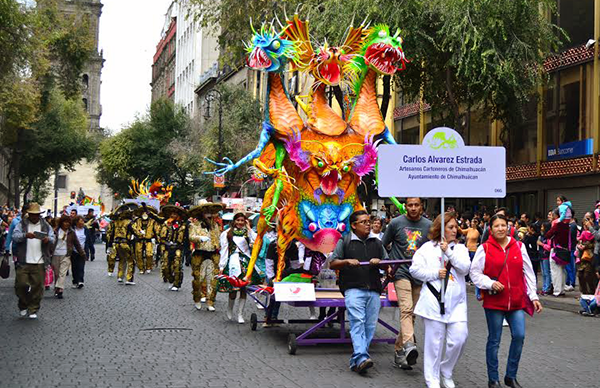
{"points": [[338, 316]]}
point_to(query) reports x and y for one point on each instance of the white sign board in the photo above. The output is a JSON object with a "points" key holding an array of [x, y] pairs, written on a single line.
{"points": [[442, 167], [295, 292]]}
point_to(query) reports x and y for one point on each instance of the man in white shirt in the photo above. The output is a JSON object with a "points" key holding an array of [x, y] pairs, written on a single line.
{"points": [[34, 238]]}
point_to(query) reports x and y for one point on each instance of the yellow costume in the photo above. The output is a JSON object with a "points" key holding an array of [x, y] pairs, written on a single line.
{"points": [[173, 237], [144, 230], [204, 235]]}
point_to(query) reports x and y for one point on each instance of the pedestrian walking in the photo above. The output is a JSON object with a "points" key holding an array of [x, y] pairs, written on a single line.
{"points": [[92, 226], [503, 271], [78, 260], [445, 324], [406, 234], [66, 242], [33, 239], [360, 284]]}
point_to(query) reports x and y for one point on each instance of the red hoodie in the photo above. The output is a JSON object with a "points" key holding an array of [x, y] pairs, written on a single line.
{"points": [[512, 277]]}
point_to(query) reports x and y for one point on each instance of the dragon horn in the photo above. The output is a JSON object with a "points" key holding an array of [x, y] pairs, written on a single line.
{"points": [[252, 27], [397, 33]]}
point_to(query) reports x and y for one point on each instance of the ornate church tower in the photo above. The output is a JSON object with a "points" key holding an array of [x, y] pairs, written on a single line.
{"points": [[90, 78]]}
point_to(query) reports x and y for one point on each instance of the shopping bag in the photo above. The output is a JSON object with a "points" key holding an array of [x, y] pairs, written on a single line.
{"points": [[4, 268], [49, 279], [391, 292]]}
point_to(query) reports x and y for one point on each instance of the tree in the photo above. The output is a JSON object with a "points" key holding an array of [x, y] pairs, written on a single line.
{"points": [[143, 150], [43, 52], [485, 54], [60, 137]]}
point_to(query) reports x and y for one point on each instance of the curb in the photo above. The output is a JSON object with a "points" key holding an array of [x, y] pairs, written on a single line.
{"points": [[567, 303]]}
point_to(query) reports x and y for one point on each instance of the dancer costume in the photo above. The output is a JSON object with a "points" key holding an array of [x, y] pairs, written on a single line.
{"points": [[144, 231], [204, 235], [174, 237], [122, 241], [235, 256]]}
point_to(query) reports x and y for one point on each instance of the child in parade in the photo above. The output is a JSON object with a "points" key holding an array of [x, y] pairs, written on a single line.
{"points": [[236, 249]]}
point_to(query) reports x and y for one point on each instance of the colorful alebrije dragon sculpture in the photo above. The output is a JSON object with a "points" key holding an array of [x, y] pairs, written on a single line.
{"points": [[156, 190], [316, 166]]}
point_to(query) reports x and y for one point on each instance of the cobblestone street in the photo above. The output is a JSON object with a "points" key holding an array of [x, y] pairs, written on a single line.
{"points": [[111, 335]]}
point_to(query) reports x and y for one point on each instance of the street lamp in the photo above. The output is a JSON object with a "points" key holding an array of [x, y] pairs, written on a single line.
{"points": [[211, 96]]}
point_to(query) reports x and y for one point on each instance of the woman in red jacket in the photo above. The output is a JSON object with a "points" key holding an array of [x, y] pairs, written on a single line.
{"points": [[503, 271]]}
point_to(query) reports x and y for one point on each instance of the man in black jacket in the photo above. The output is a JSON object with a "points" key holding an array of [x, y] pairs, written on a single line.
{"points": [[360, 284]]}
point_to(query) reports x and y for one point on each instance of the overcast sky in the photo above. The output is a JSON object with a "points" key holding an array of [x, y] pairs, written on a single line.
{"points": [[129, 33]]}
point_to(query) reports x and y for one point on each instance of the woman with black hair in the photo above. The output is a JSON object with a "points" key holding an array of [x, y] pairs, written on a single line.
{"points": [[236, 249], [502, 270]]}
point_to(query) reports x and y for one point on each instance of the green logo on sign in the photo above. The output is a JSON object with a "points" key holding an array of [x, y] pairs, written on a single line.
{"points": [[439, 141]]}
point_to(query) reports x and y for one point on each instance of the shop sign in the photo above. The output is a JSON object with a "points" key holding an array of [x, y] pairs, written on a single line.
{"points": [[442, 167], [572, 149], [219, 181]]}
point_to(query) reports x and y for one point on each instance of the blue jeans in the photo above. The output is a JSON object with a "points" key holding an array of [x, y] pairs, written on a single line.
{"points": [[546, 276], [516, 321], [363, 311], [571, 271], [588, 306]]}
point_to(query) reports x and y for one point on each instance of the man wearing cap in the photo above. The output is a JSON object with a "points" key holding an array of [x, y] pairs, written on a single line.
{"points": [[33, 238], [143, 228], [204, 233]]}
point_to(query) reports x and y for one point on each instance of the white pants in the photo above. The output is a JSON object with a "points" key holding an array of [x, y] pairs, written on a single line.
{"points": [[558, 277], [435, 332]]}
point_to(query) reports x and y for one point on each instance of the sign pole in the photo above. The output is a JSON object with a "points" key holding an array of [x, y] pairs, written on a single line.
{"points": [[443, 232]]}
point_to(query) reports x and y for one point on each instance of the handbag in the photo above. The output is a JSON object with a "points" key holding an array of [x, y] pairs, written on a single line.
{"points": [[4, 267], [562, 256], [527, 303], [49, 277]]}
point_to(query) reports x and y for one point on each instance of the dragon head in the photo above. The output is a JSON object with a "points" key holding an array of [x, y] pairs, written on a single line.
{"points": [[332, 160], [328, 65], [268, 51], [382, 51], [161, 192]]}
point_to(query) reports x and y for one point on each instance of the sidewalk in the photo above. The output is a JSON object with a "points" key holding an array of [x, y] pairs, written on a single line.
{"points": [[569, 302]]}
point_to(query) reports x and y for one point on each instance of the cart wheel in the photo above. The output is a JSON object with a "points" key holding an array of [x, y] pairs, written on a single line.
{"points": [[292, 346], [253, 321]]}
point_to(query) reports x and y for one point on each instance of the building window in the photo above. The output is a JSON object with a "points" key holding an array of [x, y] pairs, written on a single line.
{"points": [[86, 81], [61, 182], [85, 104]]}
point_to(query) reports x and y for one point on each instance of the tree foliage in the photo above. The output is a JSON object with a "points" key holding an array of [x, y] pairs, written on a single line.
{"points": [[42, 54], [143, 150], [485, 54]]}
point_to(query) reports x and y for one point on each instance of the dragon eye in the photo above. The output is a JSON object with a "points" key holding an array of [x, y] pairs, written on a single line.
{"points": [[382, 34], [320, 164], [346, 168], [276, 44]]}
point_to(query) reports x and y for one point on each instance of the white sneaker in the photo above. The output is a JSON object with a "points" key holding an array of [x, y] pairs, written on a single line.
{"points": [[128, 283], [23, 313], [110, 274], [142, 272], [569, 288], [504, 323], [313, 317], [148, 271], [211, 308], [174, 288], [230, 314], [33, 316], [198, 306], [203, 300], [447, 382], [241, 319], [120, 280], [74, 286]]}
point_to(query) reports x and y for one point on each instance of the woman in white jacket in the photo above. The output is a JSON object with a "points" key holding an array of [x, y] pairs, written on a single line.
{"points": [[430, 265]]}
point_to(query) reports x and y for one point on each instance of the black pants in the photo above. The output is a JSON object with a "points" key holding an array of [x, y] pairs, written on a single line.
{"points": [[77, 267], [90, 250]]}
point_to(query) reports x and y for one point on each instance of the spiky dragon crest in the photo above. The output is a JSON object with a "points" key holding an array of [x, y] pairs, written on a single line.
{"points": [[268, 51]]}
